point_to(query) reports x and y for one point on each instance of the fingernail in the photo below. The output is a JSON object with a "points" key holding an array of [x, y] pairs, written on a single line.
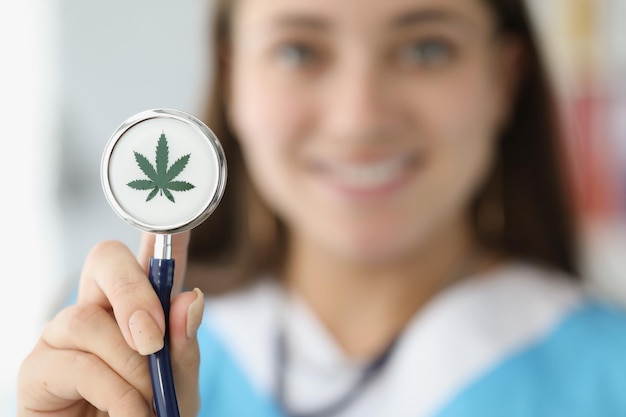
{"points": [[194, 314], [146, 334]]}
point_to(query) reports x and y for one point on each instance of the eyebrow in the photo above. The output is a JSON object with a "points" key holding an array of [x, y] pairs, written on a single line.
{"points": [[301, 21], [417, 17], [403, 20]]}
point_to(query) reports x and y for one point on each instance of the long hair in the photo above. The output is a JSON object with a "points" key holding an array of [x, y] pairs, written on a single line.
{"points": [[523, 210]]}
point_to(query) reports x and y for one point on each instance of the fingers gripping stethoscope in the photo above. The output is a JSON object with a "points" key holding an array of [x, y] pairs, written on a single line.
{"points": [[164, 172]]}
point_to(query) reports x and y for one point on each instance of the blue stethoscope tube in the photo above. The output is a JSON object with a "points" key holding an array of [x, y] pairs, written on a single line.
{"points": [[161, 274]]}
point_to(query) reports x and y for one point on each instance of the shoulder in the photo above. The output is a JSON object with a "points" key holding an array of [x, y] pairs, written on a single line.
{"points": [[234, 339], [586, 320], [575, 366], [243, 320], [589, 342], [584, 347]]}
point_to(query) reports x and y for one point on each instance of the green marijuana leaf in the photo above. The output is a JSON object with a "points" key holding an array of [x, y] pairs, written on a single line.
{"points": [[161, 179]]}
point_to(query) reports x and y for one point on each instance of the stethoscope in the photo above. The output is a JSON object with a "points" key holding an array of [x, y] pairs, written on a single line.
{"points": [[368, 374], [164, 172]]}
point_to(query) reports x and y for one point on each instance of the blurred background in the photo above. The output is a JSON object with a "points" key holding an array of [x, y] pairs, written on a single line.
{"points": [[73, 70]]}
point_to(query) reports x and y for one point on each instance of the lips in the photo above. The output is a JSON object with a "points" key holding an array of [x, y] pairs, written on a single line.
{"points": [[367, 176]]}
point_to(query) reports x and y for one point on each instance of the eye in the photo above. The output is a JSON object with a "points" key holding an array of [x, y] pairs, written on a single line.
{"points": [[428, 53], [294, 55]]}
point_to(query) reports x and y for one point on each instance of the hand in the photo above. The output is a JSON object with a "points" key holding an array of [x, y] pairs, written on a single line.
{"points": [[91, 358]]}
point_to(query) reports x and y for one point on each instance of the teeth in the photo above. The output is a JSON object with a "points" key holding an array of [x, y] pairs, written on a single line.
{"points": [[368, 175]]}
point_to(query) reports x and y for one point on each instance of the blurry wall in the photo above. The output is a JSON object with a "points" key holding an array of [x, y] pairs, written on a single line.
{"points": [[28, 132], [118, 58], [586, 40]]}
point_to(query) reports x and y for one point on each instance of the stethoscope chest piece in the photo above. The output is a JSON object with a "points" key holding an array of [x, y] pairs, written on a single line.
{"points": [[163, 171]]}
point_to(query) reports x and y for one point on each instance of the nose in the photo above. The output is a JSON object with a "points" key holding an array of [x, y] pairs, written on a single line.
{"points": [[360, 102]]}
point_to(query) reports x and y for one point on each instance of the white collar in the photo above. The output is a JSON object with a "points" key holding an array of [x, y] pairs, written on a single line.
{"points": [[461, 333]]}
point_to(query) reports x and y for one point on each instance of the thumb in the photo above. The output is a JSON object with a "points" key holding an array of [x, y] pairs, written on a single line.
{"points": [[180, 244], [185, 318]]}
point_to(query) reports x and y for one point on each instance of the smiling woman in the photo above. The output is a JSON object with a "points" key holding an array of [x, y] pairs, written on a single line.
{"points": [[395, 240], [371, 113]]}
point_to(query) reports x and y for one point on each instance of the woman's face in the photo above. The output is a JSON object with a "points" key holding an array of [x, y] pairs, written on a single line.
{"points": [[368, 125]]}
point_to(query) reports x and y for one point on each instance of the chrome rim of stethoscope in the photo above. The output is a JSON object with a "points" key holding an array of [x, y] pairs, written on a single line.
{"points": [[206, 208]]}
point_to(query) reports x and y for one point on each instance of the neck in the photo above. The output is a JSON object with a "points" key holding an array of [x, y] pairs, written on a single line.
{"points": [[366, 305]]}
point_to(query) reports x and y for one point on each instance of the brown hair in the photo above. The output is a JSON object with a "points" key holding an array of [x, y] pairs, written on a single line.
{"points": [[523, 210]]}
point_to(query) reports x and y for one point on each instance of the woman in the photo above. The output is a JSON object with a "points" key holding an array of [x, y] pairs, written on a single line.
{"points": [[396, 239]]}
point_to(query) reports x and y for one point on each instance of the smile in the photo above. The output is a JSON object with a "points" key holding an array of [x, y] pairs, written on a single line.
{"points": [[369, 177]]}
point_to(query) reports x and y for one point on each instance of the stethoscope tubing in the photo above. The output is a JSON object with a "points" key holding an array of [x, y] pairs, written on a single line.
{"points": [[161, 274]]}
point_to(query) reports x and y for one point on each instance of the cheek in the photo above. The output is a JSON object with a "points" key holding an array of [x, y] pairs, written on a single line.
{"points": [[271, 123], [263, 107], [463, 117], [466, 109], [459, 119]]}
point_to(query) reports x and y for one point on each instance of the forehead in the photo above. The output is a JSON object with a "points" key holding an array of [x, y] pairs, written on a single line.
{"points": [[360, 13]]}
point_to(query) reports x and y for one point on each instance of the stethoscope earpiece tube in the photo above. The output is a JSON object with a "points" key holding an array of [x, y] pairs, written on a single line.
{"points": [[161, 276]]}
